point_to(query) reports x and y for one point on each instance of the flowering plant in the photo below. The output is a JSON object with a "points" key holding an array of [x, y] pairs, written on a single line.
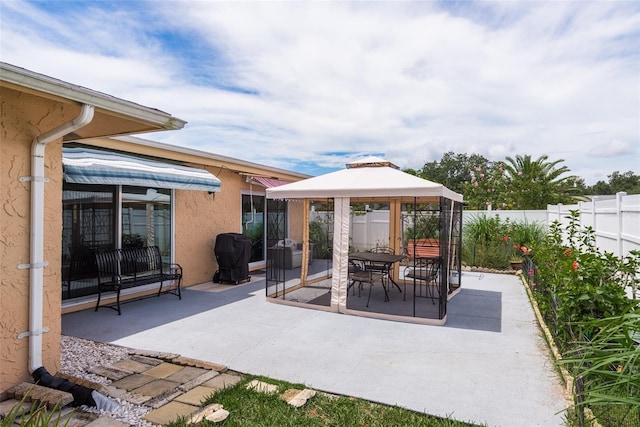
{"points": [[577, 282], [519, 251], [516, 252]]}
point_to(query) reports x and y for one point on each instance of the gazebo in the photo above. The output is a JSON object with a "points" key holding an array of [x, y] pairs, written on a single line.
{"points": [[424, 222]]}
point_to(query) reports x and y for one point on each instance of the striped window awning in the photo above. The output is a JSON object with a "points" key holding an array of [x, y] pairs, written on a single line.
{"points": [[268, 182], [86, 166]]}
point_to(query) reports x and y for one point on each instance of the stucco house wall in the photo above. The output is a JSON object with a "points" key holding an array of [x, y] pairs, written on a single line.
{"points": [[32, 104], [23, 118], [200, 216]]}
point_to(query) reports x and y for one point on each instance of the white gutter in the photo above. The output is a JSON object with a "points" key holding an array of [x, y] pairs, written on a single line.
{"points": [[14, 75], [37, 262]]}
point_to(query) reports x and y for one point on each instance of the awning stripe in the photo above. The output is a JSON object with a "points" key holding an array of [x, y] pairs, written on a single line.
{"points": [[268, 182], [86, 166]]}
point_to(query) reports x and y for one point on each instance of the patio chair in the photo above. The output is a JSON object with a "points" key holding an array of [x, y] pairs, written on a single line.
{"points": [[361, 275], [426, 273], [380, 267]]}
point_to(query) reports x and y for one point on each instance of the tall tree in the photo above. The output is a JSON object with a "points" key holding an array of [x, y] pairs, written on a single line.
{"points": [[487, 186], [533, 184], [452, 170], [628, 182], [516, 183]]}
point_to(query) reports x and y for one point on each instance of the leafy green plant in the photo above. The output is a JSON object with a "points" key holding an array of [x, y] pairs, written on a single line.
{"points": [[34, 415], [254, 232], [580, 291], [319, 233], [577, 282], [606, 366], [524, 233], [484, 242], [489, 241], [427, 226], [483, 228]]}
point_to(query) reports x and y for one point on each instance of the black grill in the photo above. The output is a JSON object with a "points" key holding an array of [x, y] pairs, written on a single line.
{"points": [[233, 251]]}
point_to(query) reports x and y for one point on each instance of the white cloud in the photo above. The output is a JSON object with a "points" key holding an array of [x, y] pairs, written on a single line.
{"points": [[285, 82]]}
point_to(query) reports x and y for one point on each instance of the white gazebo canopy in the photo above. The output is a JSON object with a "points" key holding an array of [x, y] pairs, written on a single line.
{"points": [[371, 177], [368, 177]]}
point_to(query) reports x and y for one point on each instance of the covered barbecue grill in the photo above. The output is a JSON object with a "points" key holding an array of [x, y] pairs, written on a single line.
{"points": [[233, 251]]}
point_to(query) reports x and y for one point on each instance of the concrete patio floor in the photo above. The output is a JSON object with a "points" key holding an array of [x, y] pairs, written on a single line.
{"points": [[501, 376]]}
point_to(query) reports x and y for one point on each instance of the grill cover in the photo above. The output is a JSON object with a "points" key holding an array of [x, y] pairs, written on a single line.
{"points": [[233, 251]]}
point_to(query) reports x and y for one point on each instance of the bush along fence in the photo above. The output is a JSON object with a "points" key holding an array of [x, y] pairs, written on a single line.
{"points": [[583, 297], [494, 242]]}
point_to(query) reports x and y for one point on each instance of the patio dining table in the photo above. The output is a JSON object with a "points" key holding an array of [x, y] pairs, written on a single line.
{"points": [[376, 258]]}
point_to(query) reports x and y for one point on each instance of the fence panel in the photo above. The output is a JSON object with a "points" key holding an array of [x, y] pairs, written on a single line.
{"points": [[614, 219], [530, 216], [369, 230]]}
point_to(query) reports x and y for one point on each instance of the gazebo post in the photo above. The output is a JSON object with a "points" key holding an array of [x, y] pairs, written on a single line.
{"points": [[305, 243], [340, 274], [395, 233]]}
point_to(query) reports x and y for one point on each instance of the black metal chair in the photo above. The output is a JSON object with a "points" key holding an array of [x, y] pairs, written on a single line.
{"points": [[360, 274], [380, 267], [426, 273]]}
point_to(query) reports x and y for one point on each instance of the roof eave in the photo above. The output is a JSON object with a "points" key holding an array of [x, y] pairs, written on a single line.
{"points": [[49, 85]]}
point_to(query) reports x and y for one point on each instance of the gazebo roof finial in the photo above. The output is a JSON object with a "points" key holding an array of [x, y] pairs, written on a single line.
{"points": [[371, 162]]}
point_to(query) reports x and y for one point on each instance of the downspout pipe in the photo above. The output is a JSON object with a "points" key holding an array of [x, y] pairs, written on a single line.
{"points": [[37, 263]]}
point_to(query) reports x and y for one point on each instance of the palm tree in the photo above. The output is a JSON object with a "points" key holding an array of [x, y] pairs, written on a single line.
{"points": [[533, 184]]}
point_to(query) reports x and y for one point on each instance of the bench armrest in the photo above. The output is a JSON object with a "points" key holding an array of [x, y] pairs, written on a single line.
{"points": [[173, 269], [107, 277]]}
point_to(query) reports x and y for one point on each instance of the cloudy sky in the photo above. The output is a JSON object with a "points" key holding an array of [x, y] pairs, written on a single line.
{"points": [[309, 86]]}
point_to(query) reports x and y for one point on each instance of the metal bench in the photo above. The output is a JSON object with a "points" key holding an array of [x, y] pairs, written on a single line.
{"points": [[124, 268]]}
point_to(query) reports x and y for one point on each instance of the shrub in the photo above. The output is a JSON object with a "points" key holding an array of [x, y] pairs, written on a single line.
{"points": [[581, 294], [320, 234], [491, 242], [607, 370], [576, 282]]}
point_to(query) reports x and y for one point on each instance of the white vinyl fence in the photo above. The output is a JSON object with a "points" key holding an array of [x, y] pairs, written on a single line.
{"points": [[513, 216], [615, 220], [371, 229]]}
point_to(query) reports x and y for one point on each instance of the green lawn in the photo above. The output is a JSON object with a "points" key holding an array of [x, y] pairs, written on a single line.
{"points": [[251, 408]]}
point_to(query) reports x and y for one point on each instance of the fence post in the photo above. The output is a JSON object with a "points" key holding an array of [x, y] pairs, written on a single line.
{"points": [[594, 216], [619, 197], [560, 212]]}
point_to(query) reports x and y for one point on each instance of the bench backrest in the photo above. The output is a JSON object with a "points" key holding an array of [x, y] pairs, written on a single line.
{"points": [[82, 264], [107, 262], [423, 248], [147, 259], [129, 261]]}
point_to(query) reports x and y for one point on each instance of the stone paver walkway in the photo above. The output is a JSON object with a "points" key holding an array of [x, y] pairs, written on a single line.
{"points": [[168, 384]]}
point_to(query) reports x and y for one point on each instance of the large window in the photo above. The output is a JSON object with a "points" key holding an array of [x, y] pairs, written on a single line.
{"points": [[105, 217], [146, 218], [88, 213], [254, 224]]}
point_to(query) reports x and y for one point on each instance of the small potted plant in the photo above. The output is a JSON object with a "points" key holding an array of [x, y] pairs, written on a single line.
{"points": [[516, 257], [516, 262]]}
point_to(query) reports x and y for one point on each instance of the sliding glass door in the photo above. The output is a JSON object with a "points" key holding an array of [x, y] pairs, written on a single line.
{"points": [[105, 217], [146, 218], [253, 223], [253, 214]]}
